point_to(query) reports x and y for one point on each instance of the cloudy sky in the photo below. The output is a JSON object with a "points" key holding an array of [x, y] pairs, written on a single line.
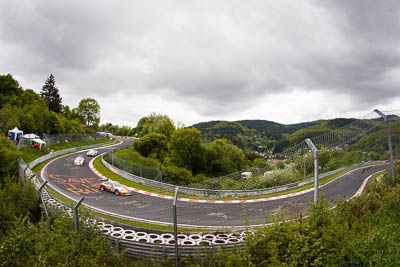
{"points": [[286, 61]]}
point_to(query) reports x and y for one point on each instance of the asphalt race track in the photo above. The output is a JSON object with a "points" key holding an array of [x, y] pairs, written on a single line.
{"points": [[76, 181]]}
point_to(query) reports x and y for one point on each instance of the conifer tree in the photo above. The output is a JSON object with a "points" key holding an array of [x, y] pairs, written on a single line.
{"points": [[51, 95]]}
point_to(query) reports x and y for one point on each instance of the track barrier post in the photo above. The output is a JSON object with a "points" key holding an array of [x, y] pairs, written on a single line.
{"points": [[40, 197], [175, 226], [315, 152], [76, 213], [389, 140]]}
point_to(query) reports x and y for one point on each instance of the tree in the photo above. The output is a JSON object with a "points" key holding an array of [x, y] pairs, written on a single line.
{"points": [[187, 150], [51, 95], [8, 87], [223, 157], [155, 144], [156, 123], [89, 111]]}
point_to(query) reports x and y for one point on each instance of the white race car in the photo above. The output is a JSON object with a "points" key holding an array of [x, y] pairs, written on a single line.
{"points": [[115, 187], [92, 153], [79, 161]]}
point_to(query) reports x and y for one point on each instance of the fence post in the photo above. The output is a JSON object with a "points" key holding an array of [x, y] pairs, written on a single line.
{"points": [[40, 197], [47, 143], [23, 179], [76, 213], [389, 140], [175, 226], [315, 152]]}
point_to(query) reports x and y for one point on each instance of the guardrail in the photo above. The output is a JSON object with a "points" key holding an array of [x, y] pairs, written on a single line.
{"points": [[62, 152], [160, 253], [225, 193]]}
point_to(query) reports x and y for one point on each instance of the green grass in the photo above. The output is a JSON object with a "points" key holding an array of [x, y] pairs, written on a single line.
{"points": [[29, 154], [62, 146], [109, 174]]}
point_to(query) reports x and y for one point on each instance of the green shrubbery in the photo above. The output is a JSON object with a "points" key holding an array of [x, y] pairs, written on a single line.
{"points": [[27, 239], [364, 231]]}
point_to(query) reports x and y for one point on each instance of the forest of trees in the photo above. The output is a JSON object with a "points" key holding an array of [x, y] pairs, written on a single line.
{"points": [[44, 112], [180, 153]]}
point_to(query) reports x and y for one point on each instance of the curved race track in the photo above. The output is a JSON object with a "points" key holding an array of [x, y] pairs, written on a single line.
{"points": [[76, 181]]}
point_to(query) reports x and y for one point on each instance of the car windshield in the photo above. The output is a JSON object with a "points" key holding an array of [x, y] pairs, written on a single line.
{"points": [[117, 184]]}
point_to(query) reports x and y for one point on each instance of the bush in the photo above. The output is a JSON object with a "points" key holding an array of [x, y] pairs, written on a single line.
{"points": [[16, 201], [55, 242], [176, 175], [363, 231], [8, 158]]}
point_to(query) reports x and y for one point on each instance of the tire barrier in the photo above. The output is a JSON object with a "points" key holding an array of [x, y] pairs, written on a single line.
{"points": [[158, 241], [195, 237], [154, 246], [129, 237], [118, 232], [129, 232]]}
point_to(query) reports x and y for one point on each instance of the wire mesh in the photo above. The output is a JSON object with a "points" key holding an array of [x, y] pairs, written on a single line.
{"points": [[134, 168], [67, 138], [296, 163]]}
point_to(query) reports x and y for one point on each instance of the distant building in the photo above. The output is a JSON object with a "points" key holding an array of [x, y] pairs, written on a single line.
{"points": [[246, 175]]}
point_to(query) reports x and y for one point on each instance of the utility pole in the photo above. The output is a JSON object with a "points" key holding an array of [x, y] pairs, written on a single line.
{"points": [[389, 140]]}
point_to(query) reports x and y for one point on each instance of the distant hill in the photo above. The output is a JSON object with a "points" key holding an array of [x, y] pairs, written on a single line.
{"points": [[276, 130], [263, 136], [250, 135]]}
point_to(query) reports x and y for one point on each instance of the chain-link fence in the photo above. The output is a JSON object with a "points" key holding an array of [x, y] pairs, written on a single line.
{"points": [[296, 162], [52, 139], [55, 139], [134, 168]]}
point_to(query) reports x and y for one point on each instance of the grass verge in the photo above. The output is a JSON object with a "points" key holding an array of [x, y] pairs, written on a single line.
{"points": [[115, 177]]}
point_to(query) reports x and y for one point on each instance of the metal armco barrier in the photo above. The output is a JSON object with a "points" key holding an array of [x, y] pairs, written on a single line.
{"points": [[62, 152], [158, 253], [224, 193]]}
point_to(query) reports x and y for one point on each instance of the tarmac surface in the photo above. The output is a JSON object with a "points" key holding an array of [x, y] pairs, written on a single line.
{"points": [[76, 181]]}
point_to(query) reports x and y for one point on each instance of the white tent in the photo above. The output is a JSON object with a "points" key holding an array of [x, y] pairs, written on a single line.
{"points": [[39, 142], [12, 134], [30, 136]]}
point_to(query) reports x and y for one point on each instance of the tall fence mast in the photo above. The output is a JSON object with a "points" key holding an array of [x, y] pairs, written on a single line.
{"points": [[315, 152], [77, 214], [389, 140], [175, 226]]}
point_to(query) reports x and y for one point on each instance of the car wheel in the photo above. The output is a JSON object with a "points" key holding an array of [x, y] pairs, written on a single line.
{"points": [[116, 192], [101, 188]]}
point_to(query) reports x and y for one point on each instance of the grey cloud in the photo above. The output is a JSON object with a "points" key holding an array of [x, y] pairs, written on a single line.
{"points": [[216, 57]]}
